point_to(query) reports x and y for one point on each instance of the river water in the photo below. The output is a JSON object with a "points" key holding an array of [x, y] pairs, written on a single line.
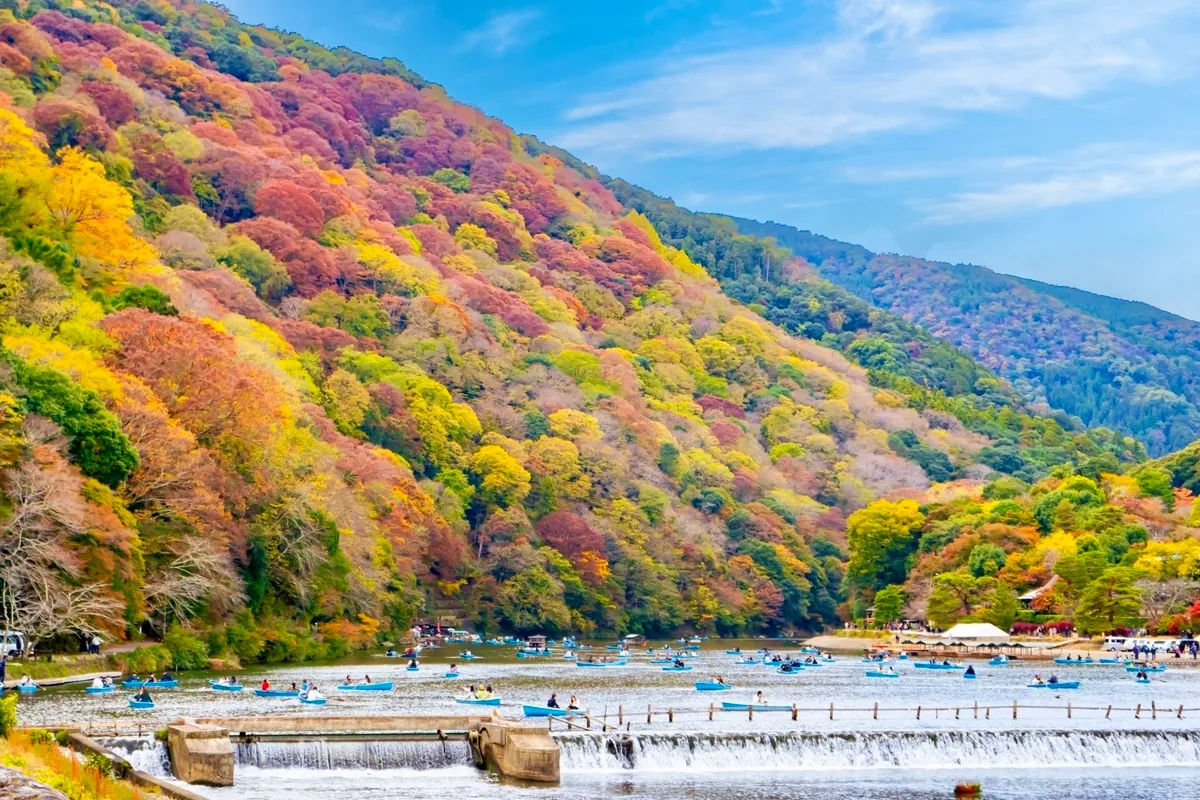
{"points": [[965, 731]]}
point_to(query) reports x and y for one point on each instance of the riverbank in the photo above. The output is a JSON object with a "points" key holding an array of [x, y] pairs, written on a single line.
{"points": [[1033, 650]]}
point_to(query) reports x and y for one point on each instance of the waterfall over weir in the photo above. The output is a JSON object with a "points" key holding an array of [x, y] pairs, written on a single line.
{"points": [[333, 754], [677, 752]]}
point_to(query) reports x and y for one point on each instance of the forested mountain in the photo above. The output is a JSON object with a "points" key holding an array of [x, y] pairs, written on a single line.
{"points": [[1116, 363], [295, 348]]}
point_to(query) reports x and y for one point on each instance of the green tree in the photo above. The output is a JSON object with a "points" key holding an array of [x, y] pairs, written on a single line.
{"points": [[502, 479], [881, 537], [532, 600], [1003, 606], [1154, 481], [986, 559], [955, 595], [452, 179], [1111, 601], [889, 604]]}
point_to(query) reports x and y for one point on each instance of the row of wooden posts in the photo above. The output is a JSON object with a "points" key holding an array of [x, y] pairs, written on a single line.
{"points": [[572, 723]]}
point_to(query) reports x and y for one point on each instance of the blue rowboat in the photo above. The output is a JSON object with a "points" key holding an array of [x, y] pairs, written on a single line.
{"points": [[903, 656], [1070, 661], [1059, 685], [1141, 680], [141, 705], [794, 669], [662, 661], [276, 693], [970, 676], [876, 674], [171, 684], [451, 674], [226, 687], [595, 664], [101, 689], [809, 651], [412, 669], [1136, 668], [709, 686], [466, 657], [998, 661], [733, 652], [546, 711], [676, 669], [1114, 661], [692, 647], [320, 701], [746, 662], [132, 684], [756, 706], [471, 701], [927, 665], [367, 687]]}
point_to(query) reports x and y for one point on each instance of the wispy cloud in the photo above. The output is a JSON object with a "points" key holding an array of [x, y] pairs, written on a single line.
{"points": [[502, 32], [888, 65], [1092, 175]]}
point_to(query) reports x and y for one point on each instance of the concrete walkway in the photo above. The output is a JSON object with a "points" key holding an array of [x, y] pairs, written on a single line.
{"points": [[86, 677]]}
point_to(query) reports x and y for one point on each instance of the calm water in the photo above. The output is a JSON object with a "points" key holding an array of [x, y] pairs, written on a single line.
{"points": [[1041, 754]]}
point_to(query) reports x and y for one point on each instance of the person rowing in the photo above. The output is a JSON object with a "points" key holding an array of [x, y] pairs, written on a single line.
{"points": [[737, 651], [1038, 680], [717, 679], [1053, 680], [97, 683], [970, 670], [453, 669], [231, 680], [143, 696], [1142, 676], [573, 704], [312, 693], [366, 680], [167, 677], [679, 663], [265, 685], [553, 701]]}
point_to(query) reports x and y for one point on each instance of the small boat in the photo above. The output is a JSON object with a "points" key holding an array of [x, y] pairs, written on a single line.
{"points": [[468, 656], [871, 673], [318, 701], [101, 689], [927, 665], [1059, 685], [677, 669], [691, 647], [746, 662], [970, 676], [132, 684], [998, 661], [903, 656], [412, 669], [876, 661], [171, 684], [276, 693], [737, 652], [709, 686], [1136, 668], [546, 711], [601, 663], [1070, 661], [1141, 680], [226, 687], [471, 701], [756, 706], [451, 674], [1114, 660], [367, 687], [793, 669], [662, 661], [141, 705], [809, 651]]}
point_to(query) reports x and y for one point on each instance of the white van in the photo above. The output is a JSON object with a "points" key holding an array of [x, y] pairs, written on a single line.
{"points": [[13, 643]]}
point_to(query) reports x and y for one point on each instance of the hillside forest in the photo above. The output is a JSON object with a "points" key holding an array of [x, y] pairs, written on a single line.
{"points": [[296, 350]]}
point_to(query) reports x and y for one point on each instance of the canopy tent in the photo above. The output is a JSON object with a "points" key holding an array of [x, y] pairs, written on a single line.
{"points": [[975, 632]]}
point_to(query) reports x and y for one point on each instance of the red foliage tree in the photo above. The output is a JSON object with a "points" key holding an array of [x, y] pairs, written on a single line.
{"points": [[569, 534], [113, 102], [291, 203]]}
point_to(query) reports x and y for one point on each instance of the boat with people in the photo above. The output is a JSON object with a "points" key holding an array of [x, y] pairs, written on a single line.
{"points": [[1055, 685], [998, 661], [278, 693], [711, 686], [875, 673], [377, 686], [727, 706], [1069, 661], [478, 701], [937, 665], [313, 701], [547, 711], [141, 705], [229, 684], [1146, 668], [685, 668]]}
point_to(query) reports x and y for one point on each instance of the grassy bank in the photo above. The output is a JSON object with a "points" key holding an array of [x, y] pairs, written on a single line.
{"points": [[150, 657]]}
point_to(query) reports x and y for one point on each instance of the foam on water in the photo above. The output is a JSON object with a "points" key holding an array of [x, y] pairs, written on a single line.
{"points": [[690, 752], [319, 754]]}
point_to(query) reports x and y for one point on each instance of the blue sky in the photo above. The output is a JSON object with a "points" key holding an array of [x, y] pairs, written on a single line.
{"points": [[1054, 139]]}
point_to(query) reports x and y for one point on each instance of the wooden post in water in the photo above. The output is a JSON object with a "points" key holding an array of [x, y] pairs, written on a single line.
{"points": [[1153, 710], [875, 714], [976, 709], [796, 712], [918, 712], [710, 712], [987, 712], [1138, 714], [1014, 709], [750, 710], [620, 715], [1068, 709], [649, 713], [1108, 713], [831, 710], [670, 715], [1179, 713]]}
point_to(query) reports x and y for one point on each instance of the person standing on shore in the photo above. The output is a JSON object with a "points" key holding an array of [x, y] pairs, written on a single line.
{"points": [[3, 668]]}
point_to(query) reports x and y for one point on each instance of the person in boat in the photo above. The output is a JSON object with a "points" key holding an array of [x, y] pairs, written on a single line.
{"points": [[970, 670], [489, 691], [391, 653], [133, 677], [760, 699], [313, 694], [232, 680], [553, 701], [367, 679], [573, 704], [26, 681], [468, 654], [143, 696], [737, 650], [152, 679], [945, 662], [97, 683], [1053, 680], [166, 676], [454, 668], [294, 687], [265, 685], [678, 662], [719, 680], [1038, 680], [1141, 675]]}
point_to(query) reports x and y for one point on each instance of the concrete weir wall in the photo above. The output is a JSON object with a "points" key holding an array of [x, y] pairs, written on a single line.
{"points": [[201, 754], [525, 752]]}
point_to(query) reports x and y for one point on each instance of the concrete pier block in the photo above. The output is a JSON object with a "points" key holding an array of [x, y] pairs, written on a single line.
{"points": [[201, 754], [513, 750]]}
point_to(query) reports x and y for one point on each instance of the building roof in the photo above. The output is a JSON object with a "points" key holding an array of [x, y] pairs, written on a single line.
{"points": [[1033, 594], [975, 630]]}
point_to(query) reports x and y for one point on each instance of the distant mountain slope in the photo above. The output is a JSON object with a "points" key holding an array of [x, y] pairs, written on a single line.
{"points": [[1111, 362]]}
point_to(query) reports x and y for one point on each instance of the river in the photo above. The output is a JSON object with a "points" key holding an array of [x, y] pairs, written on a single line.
{"points": [[965, 732]]}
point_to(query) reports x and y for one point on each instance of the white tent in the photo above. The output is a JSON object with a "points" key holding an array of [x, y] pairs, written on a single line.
{"points": [[975, 632]]}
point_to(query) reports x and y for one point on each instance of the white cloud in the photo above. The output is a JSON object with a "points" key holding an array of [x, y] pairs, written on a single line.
{"points": [[502, 32], [1088, 176], [888, 65]]}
